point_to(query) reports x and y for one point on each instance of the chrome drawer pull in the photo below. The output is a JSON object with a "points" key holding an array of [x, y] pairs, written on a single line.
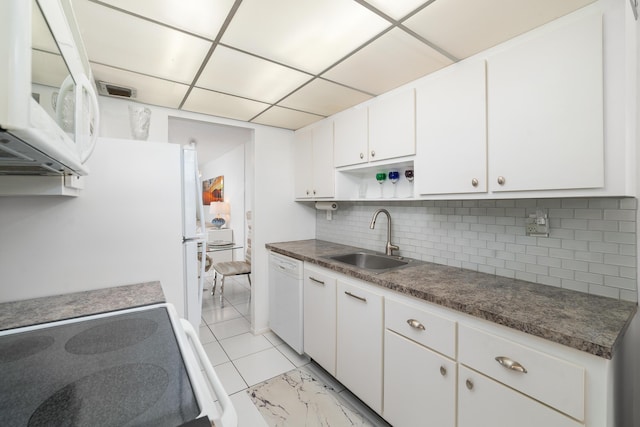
{"points": [[415, 324], [355, 296], [313, 279], [510, 364]]}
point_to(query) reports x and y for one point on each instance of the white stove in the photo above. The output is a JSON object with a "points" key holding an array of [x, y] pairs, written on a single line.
{"points": [[135, 367]]}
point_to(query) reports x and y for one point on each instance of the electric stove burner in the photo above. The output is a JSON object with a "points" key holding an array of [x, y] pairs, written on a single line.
{"points": [[110, 397], [121, 369], [111, 336], [22, 347]]}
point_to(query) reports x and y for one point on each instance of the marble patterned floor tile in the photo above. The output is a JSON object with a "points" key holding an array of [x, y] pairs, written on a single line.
{"points": [[297, 398], [350, 400], [263, 365], [244, 345], [326, 378]]}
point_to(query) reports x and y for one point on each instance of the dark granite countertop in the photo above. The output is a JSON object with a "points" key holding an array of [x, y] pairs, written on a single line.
{"points": [[586, 322], [67, 306]]}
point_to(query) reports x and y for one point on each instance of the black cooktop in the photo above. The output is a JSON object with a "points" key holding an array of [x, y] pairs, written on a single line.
{"points": [[121, 370]]}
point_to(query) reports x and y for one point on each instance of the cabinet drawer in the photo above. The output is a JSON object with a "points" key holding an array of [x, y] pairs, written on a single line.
{"points": [[485, 402], [430, 330], [556, 382]]}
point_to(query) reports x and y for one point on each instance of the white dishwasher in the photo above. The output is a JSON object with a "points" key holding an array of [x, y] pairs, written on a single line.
{"points": [[285, 299]]}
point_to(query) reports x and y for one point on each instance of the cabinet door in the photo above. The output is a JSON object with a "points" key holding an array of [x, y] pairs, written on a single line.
{"points": [[320, 318], [359, 343], [451, 152], [323, 169], [303, 164], [392, 127], [419, 384], [545, 111], [351, 138], [484, 402]]}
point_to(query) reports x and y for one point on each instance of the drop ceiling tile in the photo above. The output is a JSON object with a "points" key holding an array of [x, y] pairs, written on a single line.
{"points": [[323, 98], [219, 104], [149, 90], [463, 27], [390, 61], [237, 73], [286, 118], [120, 40], [396, 9], [201, 17], [307, 35]]}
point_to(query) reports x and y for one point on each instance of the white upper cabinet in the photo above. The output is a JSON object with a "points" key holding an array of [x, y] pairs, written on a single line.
{"points": [[451, 135], [545, 110], [392, 126], [313, 161], [351, 137], [384, 130]]}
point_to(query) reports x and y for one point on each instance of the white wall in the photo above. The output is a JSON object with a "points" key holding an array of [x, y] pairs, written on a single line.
{"points": [[106, 237], [231, 166], [276, 216]]}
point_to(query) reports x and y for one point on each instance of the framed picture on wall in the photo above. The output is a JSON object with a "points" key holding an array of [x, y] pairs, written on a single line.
{"points": [[213, 190]]}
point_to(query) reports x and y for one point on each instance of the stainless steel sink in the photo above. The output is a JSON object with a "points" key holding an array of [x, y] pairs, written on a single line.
{"points": [[373, 262]]}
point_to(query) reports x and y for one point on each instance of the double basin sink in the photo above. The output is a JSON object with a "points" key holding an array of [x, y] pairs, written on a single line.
{"points": [[375, 263]]}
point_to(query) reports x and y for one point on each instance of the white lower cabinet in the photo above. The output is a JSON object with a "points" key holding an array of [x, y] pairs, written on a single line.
{"points": [[359, 346], [320, 317], [419, 367], [416, 363], [484, 402], [419, 384]]}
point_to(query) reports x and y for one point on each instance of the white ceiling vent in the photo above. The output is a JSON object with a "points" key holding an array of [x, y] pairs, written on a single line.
{"points": [[117, 91]]}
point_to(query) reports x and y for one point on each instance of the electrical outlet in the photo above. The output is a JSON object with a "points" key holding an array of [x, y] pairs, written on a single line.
{"points": [[537, 225]]}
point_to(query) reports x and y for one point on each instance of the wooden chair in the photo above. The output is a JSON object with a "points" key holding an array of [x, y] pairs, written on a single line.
{"points": [[234, 268]]}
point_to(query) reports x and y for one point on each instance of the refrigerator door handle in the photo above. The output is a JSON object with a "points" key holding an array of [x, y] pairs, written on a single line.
{"points": [[203, 229]]}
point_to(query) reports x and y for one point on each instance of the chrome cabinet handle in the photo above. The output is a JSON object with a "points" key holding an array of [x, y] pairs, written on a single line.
{"points": [[469, 384], [443, 371], [362, 155], [313, 279], [415, 324], [373, 153], [501, 180], [355, 296], [474, 182], [510, 364]]}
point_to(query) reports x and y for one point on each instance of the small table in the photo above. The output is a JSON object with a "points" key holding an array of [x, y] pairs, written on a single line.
{"points": [[217, 247]]}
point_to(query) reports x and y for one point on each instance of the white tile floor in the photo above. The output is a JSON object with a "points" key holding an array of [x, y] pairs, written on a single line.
{"points": [[242, 359]]}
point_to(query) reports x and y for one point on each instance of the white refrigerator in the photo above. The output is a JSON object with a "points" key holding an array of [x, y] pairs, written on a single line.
{"points": [[194, 238], [126, 227]]}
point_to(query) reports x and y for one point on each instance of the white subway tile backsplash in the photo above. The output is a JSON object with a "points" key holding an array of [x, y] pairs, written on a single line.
{"points": [[619, 215], [575, 203], [604, 291], [592, 245]]}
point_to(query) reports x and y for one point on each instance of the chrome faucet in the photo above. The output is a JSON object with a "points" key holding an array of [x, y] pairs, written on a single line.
{"points": [[389, 247]]}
